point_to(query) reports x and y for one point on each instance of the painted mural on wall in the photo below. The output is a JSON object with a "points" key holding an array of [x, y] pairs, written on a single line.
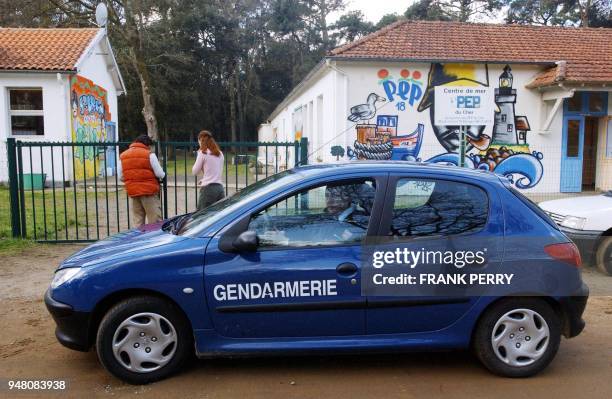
{"points": [[504, 151], [90, 118], [298, 123]]}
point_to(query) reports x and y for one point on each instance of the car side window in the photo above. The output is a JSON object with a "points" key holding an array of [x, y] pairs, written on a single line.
{"points": [[427, 207], [337, 213]]}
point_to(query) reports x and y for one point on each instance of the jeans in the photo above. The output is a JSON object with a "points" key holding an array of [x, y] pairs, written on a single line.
{"points": [[210, 194]]}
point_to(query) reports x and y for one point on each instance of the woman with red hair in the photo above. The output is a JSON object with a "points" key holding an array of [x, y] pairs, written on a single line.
{"points": [[209, 163]]}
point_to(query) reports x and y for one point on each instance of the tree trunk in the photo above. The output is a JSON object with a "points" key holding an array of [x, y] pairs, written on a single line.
{"points": [[240, 104], [465, 11], [232, 98], [584, 13], [148, 109], [133, 34], [323, 25]]}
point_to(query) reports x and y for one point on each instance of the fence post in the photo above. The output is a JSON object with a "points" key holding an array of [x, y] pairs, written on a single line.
{"points": [[165, 180], [304, 151], [13, 187]]}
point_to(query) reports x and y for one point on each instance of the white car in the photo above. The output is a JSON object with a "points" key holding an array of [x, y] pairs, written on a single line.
{"points": [[588, 222]]}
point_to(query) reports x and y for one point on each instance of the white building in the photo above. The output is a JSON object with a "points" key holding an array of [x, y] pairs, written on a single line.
{"points": [[374, 98], [57, 85]]}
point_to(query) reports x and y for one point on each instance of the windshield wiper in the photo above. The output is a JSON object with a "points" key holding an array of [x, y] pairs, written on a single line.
{"points": [[178, 223]]}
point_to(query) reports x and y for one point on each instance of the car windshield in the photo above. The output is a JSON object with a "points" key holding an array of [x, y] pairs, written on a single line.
{"points": [[200, 220]]}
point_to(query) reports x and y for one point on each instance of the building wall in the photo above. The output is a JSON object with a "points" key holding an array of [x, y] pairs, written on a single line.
{"points": [[94, 115], [397, 98], [315, 114], [405, 93], [55, 100], [57, 113], [95, 68], [603, 178]]}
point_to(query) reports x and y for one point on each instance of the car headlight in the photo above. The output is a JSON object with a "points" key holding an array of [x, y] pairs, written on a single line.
{"points": [[573, 222], [63, 275]]}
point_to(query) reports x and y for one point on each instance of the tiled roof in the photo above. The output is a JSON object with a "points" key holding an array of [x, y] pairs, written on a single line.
{"points": [[43, 49], [587, 52]]}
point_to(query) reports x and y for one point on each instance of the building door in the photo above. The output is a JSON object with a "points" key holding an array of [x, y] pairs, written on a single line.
{"points": [[579, 150], [589, 162], [572, 156]]}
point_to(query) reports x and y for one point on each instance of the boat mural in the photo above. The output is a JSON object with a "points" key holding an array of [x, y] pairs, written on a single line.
{"points": [[407, 147], [377, 143]]}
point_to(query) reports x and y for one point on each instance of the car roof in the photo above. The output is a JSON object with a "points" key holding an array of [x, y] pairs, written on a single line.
{"points": [[395, 166]]}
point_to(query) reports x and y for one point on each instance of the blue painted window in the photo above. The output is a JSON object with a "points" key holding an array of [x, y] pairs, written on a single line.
{"points": [[573, 138], [593, 103]]}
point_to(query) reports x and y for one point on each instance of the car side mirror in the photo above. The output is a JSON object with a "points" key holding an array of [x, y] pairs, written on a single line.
{"points": [[247, 241]]}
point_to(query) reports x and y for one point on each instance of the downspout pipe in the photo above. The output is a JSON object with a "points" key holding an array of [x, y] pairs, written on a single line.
{"points": [[329, 63]]}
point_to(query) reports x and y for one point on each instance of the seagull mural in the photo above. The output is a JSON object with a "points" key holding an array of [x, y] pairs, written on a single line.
{"points": [[364, 112]]}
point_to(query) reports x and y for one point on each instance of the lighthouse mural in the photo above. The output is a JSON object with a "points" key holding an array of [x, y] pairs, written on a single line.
{"points": [[507, 125], [507, 153]]}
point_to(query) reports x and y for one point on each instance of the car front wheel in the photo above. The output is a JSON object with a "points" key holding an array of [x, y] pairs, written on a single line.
{"points": [[144, 339], [518, 337]]}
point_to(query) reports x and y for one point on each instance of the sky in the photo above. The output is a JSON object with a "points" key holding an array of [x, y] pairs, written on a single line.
{"points": [[375, 9]]}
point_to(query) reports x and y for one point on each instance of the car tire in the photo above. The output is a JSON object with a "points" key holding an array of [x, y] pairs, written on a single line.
{"points": [[505, 349], [144, 339], [603, 256]]}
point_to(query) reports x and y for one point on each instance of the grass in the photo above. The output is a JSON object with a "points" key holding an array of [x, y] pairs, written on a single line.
{"points": [[45, 213], [11, 246], [38, 210]]}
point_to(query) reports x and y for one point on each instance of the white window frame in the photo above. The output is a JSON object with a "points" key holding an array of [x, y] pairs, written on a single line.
{"points": [[30, 112]]}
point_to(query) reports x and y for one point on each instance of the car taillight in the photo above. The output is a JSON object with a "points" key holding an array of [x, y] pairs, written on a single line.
{"points": [[567, 252]]}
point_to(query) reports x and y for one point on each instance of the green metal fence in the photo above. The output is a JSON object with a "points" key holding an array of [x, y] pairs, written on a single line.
{"points": [[67, 192]]}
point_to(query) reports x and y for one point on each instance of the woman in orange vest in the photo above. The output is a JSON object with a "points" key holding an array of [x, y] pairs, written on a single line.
{"points": [[140, 170], [210, 163]]}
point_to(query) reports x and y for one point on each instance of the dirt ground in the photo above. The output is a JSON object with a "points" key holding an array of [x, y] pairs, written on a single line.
{"points": [[582, 368]]}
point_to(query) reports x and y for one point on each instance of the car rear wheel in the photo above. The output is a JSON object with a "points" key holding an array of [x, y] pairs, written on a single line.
{"points": [[144, 339], [603, 257], [518, 337]]}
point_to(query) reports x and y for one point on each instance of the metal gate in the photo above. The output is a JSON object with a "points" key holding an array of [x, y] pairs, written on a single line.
{"points": [[70, 192]]}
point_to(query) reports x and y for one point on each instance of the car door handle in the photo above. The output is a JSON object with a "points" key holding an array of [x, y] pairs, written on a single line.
{"points": [[347, 268]]}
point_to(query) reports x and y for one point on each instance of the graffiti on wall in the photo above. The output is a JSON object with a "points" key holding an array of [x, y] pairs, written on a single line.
{"points": [[298, 123], [504, 150], [404, 91], [90, 116], [454, 75]]}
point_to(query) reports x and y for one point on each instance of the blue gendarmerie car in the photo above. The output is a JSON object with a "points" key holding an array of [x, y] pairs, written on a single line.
{"points": [[278, 267]]}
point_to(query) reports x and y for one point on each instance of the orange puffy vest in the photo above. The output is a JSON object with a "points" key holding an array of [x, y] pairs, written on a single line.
{"points": [[138, 174]]}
